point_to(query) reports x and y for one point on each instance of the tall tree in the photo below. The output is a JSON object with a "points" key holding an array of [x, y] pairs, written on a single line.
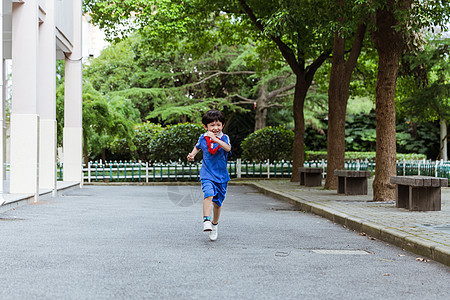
{"points": [[290, 28], [390, 17], [338, 91], [388, 41]]}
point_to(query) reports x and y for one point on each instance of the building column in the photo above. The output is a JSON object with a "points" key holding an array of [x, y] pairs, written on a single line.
{"points": [[2, 102], [73, 131], [24, 118], [47, 99]]}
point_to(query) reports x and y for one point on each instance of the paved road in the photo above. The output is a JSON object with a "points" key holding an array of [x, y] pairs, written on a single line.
{"points": [[142, 242]]}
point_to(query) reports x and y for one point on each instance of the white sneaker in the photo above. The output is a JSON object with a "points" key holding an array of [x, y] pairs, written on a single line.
{"points": [[207, 226], [213, 233]]}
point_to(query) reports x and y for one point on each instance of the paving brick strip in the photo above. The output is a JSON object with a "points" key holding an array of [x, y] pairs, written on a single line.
{"points": [[424, 233]]}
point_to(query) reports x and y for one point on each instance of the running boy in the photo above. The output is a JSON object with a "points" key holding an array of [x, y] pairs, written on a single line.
{"points": [[213, 174]]}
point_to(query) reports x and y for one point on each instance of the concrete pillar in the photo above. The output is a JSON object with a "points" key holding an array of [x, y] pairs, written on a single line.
{"points": [[2, 103], [73, 131], [24, 118], [47, 99]]}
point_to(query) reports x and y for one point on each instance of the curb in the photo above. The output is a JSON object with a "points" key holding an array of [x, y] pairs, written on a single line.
{"points": [[143, 183], [29, 198], [411, 243]]}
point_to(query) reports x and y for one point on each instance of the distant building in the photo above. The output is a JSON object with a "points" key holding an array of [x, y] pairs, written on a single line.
{"points": [[93, 39], [36, 33]]}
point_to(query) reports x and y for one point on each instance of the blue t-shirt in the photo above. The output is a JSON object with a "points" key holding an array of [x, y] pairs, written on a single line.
{"points": [[214, 166]]}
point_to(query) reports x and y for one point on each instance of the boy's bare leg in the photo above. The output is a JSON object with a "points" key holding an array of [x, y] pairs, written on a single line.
{"points": [[207, 203], [216, 209]]}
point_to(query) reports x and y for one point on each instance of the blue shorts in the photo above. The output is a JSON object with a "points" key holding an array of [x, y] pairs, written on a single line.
{"points": [[217, 190]]}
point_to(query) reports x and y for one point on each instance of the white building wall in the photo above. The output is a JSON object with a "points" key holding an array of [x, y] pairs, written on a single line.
{"points": [[47, 99], [2, 100], [6, 30], [73, 129], [24, 118], [64, 17], [41, 29]]}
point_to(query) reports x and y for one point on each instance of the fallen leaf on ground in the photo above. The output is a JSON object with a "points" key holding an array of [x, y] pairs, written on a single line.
{"points": [[422, 259], [383, 259]]}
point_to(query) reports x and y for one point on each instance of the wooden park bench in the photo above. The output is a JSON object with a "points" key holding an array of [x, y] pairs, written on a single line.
{"points": [[352, 182], [310, 176], [420, 193]]}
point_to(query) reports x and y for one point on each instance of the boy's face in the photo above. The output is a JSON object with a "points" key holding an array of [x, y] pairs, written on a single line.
{"points": [[214, 127]]}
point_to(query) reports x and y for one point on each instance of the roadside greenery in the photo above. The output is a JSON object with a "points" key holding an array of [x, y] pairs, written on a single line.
{"points": [[273, 143], [370, 156], [246, 59], [145, 133], [174, 142]]}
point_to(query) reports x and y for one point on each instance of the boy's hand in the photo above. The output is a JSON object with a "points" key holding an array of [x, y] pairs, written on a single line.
{"points": [[190, 157], [211, 136]]}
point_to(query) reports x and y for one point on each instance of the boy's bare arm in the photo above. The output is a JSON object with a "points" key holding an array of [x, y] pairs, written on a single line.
{"points": [[193, 153], [222, 144]]}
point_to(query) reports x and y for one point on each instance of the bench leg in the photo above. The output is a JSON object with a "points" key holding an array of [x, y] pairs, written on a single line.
{"points": [[402, 196], [356, 186], [425, 198], [302, 178], [341, 185], [313, 179]]}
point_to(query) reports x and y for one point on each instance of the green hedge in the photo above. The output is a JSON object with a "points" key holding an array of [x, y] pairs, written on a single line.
{"points": [[144, 135], [174, 142], [319, 155], [273, 143]]}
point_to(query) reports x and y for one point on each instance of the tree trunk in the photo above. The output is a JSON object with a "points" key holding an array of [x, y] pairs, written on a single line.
{"points": [[104, 154], [261, 108], [383, 190], [298, 149], [388, 43], [338, 91], [85, 151], [337, 106], [443, 134]]}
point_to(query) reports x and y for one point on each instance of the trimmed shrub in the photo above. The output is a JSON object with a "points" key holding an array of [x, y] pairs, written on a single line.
{"points": [[174, 142], [144, 135], [273, 143]]}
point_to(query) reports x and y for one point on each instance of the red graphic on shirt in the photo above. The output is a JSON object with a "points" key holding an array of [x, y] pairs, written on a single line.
{"points": [[209, 143]]}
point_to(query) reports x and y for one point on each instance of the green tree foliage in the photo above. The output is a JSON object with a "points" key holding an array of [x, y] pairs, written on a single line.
{"points": [[174, 142], [173, 86], [360, 132], [106, 121], [273, 143], [427, 98], [96, 121], [118, 139], [410, 137], [298, 30]]}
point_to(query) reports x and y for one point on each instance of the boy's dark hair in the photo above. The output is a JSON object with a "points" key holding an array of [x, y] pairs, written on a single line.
{"points": [[211, 116]]}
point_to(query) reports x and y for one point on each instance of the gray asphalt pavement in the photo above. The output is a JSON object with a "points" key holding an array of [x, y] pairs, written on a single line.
{"points": [[146, 242]]}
